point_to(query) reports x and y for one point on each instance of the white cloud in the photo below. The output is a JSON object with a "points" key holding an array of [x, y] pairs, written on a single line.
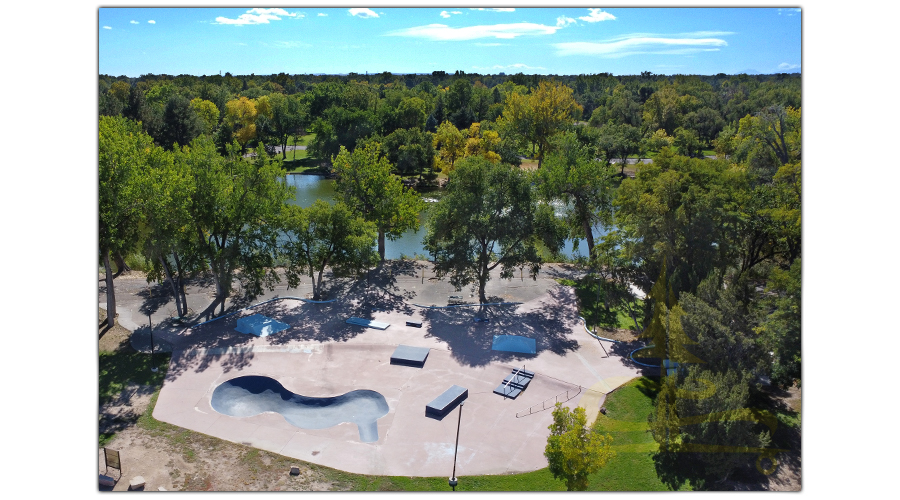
{"points": [[151, 22], [640, 44], [785, 65], [563, 21], [480, 44], [134, 22], [495, 10], [597, 15], [445, 14], [107, 28], [322, 14], [789, 12], [259, 16], [363, 13], [442, 32], [455, 12], [705, 34]]}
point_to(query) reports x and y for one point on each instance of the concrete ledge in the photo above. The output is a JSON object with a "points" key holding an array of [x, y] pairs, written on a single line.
{"points": [[446, 402]]}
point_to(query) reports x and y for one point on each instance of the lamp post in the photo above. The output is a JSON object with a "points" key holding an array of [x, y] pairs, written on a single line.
{"points": [[152, 365], [453, 482]]}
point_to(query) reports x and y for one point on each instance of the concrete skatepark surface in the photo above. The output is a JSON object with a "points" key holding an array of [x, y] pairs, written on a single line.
{"points": [[321, 356]]}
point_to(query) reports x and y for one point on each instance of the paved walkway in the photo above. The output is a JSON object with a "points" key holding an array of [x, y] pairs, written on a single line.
{"points": [[321, 355]]}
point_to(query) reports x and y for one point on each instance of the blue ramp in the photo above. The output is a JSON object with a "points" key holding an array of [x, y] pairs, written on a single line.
{"points": [[514, 343], [260, 325]]}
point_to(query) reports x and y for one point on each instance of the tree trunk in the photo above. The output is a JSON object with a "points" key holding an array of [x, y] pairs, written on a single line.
{"points": [[221, 289], [168, 273], [110, 292], [482, 280], [588, 235], [120, 265], [317, 286], [381, 244], [180, 282]]}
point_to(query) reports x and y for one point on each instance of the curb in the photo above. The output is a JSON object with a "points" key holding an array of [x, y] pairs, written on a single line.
{"points": [[584, 322]]}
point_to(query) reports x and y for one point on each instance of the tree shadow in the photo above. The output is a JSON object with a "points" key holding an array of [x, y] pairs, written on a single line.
{"points": [[470, 341], [155, 297]]}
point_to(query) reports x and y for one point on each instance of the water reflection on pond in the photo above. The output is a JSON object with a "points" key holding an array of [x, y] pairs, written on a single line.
{"points": [[309, 188]]}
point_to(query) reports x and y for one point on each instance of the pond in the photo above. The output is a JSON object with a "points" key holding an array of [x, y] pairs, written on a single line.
{"points": [[309, 188]]}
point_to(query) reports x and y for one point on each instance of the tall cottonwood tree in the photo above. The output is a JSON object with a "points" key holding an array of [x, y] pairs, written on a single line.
{"points": [[170, 245], [126, 154], [488, 218], [234, 211], [573, 176], [323, 236], [366, 185]]}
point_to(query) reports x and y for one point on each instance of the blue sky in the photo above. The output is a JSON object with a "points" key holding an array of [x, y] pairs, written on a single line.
{"points": [[197, 41]]}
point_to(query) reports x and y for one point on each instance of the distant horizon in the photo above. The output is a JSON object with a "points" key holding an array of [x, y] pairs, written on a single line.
{"points": [[534, 41], [449, 73]]}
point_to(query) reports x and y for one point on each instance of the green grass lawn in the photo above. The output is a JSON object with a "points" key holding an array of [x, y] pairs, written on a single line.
{"points": [[121, 368], [626, 421], [592, 307]]}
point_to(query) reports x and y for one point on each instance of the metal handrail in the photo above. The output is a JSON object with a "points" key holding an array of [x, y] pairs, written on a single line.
{"points": [[543, 404]]}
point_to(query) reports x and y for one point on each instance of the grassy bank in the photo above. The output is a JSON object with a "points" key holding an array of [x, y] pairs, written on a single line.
{"points": [[591, 295], [633, 468]]}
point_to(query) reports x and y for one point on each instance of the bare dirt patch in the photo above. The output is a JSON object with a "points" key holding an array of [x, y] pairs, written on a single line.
{"points": [[112, 339], [620, 334], [180, 460]]}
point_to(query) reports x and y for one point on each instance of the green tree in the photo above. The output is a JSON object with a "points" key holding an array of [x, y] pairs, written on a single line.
{"points": [[488, 218], [718, 431], [323, 236], [584, 185], [233, 212], [208, 113], [169, 242], [366, 185], [411, 151], [126, 153], [541, 114], [665, 332], [684, 210], [663, 110], [341, 127], [780, 330], [180, 122], [284, 117], [575, 451], [619, 142], [688, 143]]}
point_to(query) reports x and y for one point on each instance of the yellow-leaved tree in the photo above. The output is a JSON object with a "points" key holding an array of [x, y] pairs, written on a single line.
{"points": [[540, 115], [240, 115]]}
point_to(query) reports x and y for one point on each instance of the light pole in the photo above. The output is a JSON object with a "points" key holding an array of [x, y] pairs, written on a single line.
{"points": [[453, 482], [152, 365]]}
